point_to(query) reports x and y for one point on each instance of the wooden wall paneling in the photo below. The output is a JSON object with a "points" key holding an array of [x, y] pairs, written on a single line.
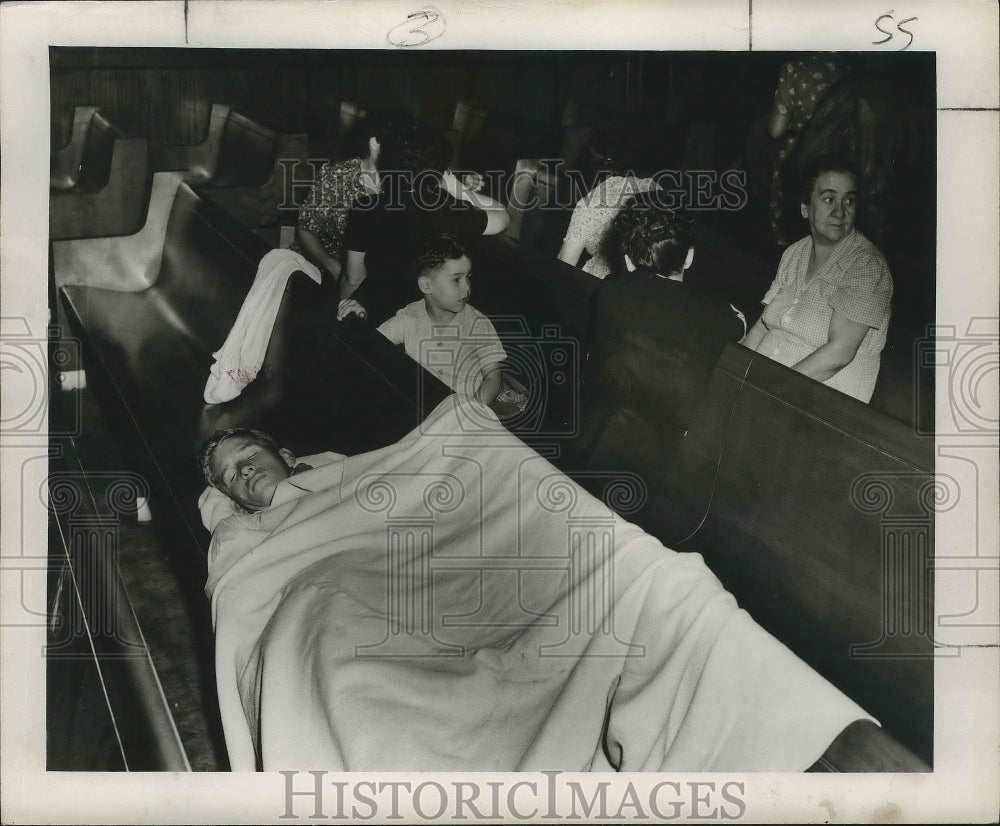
{"points": [[324, 89]]}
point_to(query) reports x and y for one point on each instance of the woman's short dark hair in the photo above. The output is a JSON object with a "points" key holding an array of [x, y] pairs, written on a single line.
{"points": [[414, 161], [382, 124], [206, 454], [434, 250], [654, 237], [820, 166], [414, 150]]}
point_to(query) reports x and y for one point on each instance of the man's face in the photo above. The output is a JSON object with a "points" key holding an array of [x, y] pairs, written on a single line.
{"points": [[248, 472], [832, 207]]}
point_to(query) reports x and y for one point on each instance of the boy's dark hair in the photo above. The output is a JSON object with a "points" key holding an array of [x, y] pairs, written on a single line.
{"points": [[434, 250], [654, 237], [206, 454], [820, 165]]}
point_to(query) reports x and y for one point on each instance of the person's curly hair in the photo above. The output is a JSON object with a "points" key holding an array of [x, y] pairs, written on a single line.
{"points": [[206, 454], [654, 237], [434, 250], [416, 154]]}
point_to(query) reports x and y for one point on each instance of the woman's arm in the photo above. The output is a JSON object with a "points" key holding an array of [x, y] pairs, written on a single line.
{"points": [[492, 382], [314, 251], [571, 251], [842, 345], [778, 123], [354, 274], [756, 335], [497, 219], [350, 279]]}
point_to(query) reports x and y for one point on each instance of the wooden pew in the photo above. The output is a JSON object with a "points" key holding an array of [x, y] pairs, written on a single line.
{"points": [[236, 151], [776, 484], [150, 311], [269, 208], [535, 202], [64, 164], [817, 513], [492, 142], [110, 205]]}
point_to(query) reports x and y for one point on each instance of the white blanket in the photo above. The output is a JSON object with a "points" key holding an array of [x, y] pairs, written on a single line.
{"points": [[239, 359], [454, 602]]}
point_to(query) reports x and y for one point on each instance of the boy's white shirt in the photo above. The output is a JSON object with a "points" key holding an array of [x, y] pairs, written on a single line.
{"points": [[469, 334]]}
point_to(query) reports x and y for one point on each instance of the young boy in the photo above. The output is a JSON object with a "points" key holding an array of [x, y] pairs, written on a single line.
{"points": [[442, 330], [247, 466]]}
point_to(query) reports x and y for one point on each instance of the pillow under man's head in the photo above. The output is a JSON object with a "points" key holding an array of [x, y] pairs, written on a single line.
{"points": [[245, 464]]}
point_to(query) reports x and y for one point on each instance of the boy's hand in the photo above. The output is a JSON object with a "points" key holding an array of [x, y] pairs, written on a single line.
{"points": [[350, 307]]}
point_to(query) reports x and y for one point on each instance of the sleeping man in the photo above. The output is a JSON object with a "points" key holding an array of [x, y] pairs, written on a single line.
{"points": [[453, 602]]}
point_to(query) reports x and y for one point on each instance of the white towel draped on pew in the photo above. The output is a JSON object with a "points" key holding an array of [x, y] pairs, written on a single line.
{"points": [[239, 359]]}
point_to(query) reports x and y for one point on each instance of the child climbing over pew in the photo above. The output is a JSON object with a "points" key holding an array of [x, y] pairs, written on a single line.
{"points": [[446, 334]]}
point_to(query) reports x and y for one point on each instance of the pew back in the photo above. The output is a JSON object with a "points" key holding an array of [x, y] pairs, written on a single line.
{"points": [[98, 148], [64, 166], [817, 513], [787, 488], [236, 151], [493, 141]]}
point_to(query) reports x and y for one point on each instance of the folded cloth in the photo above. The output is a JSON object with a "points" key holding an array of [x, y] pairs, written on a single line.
{"points": [[238, 360]]}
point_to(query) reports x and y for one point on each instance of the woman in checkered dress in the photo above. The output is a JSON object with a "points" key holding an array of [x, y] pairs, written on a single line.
{"points": [[827, 313]]}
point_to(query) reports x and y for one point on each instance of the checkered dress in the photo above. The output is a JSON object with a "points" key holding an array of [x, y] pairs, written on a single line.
{"points": [[856, 282]]}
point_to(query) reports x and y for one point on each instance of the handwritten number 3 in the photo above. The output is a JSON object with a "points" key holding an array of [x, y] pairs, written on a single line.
{"points": [[419, 28]]}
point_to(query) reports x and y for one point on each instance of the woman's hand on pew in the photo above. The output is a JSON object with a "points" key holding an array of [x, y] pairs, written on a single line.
{"points": [[350, 306], [473, 181]]}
